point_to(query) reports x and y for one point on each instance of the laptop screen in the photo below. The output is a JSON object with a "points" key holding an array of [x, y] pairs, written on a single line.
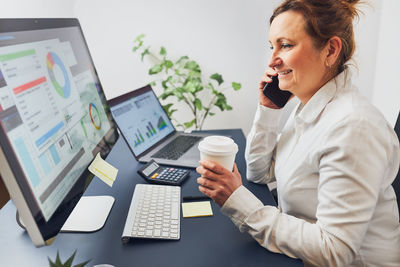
{"points": [[141, 119]]}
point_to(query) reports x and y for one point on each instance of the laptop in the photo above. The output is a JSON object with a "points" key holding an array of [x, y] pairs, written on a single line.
{"points": [[149, 133]]}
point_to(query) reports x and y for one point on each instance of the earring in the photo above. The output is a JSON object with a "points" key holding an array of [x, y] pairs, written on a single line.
{"points": [[328, 64]]}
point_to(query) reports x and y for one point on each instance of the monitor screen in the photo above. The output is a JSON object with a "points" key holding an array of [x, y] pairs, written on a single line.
{"points": [[53, 119], [141, 119]]}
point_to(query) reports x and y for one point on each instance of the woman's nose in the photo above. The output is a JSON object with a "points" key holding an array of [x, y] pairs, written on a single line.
{"points": [[274, 61]]}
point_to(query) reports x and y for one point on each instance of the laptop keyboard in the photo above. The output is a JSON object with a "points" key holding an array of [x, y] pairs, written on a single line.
{"points": [[154, 213], [176, 148]]}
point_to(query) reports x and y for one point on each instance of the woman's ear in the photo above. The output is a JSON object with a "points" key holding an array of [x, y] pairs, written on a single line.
{"points": [[333, 48]]}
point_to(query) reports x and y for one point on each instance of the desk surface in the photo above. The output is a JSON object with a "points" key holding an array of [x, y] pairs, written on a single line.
{"points": [[206, 241]]}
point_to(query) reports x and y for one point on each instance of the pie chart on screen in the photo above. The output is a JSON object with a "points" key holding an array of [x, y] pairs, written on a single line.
{"points": [[58, 75], [94, 116]]}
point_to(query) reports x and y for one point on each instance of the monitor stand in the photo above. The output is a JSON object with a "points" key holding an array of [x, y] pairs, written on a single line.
{"points": [[89, 215]]}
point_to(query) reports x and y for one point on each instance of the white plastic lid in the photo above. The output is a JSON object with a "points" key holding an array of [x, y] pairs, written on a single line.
{"points": [[217, 144]]}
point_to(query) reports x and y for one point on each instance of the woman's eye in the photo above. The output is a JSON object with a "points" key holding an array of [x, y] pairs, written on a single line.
{"points": [[286, 45]]}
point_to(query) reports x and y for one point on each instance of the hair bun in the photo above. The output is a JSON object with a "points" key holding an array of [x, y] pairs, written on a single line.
{"points": [[350, 6]]}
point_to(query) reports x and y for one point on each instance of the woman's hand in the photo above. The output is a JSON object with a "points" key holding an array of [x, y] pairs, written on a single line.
{"points": [[265, 101], [217, 182]]}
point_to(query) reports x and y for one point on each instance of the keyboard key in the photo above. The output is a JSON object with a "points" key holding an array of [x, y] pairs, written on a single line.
{"points": [[157, 232]]}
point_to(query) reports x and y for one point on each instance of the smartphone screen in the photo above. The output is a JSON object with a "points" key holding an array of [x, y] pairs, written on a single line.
{"points": [[276, 95]]}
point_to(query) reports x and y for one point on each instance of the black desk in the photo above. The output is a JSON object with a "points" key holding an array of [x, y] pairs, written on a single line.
{"points": [[207, 241]]}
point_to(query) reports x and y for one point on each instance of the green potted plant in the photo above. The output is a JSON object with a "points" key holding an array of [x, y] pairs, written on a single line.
{"points": [[67, 263], [182, 79]]}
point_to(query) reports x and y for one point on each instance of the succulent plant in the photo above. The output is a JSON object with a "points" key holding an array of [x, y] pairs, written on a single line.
{"points": [[67, 263]]}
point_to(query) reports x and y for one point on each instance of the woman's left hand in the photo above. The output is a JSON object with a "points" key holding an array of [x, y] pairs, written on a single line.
{"points": [[217, 182]]}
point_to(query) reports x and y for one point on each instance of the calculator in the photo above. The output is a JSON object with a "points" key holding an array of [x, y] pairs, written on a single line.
{"points": [[156, 174]]}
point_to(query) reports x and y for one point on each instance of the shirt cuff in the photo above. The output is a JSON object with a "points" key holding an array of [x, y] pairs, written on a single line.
{"points": [[240, 204], [268, 118]]}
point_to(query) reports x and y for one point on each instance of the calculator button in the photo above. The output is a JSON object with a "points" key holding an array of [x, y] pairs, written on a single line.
{"points": [[154, 175]]}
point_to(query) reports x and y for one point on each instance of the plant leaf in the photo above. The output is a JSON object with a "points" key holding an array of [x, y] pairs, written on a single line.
{"points": [[70, 260], [198, 104], [139, 37], [217, 77], [171, 112], [193, 66], [52, 264], [165, 82], [163, 51], [211, 114], [82, 264], [145, 52], [156, 69], [166, 94], [139, 42], [178, 94], [168, 64], [167, 107], [58, 261], [153, 83], [189, 86], [221, 101], [189, 123], [236, 86], [181, 59]]}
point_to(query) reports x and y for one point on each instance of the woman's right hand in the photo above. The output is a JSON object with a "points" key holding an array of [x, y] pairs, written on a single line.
{"points": [[265, 101]]}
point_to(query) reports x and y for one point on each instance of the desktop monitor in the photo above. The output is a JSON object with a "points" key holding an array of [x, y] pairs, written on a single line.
{"points": [[53, 120]]}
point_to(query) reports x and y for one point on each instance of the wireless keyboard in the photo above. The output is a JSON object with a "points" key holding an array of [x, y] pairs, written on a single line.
{"points": [[154, 213]]}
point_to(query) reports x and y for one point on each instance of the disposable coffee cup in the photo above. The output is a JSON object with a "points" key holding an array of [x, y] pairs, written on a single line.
{"points": [[220, 149]]}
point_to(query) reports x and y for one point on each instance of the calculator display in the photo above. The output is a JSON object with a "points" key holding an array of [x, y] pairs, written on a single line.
{"points": [[150, 169]]}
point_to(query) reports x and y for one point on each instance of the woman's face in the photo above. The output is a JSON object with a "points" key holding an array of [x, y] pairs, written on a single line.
{"points": [[301, 67]]}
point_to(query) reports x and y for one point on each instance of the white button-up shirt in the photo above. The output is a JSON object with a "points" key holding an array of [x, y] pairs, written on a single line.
{"points": [[334, 163]]}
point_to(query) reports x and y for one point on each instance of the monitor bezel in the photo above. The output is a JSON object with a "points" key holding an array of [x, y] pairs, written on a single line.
{"points": [[40, 231]]}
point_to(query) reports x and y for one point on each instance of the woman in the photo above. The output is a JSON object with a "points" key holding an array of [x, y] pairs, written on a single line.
{"points": [[335, 159]]}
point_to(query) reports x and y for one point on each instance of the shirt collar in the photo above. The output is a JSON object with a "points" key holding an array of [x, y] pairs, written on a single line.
{"points": [[323, 96]]}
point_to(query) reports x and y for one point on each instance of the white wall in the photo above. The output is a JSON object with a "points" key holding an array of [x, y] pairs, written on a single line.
{"points": [[36, 8], [386, 95]]}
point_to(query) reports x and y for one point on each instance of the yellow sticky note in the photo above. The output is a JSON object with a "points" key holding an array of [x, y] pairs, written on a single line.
{"points": [[104, 170], [196, 209]]}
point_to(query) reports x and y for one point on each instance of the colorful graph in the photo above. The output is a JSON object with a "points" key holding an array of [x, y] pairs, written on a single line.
{"points": [[139, 138], [161, 123], [150, 130], [94, 115], [53, 60]]}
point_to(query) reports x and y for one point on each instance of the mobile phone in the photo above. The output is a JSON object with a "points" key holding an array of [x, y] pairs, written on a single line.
{"points": [[276, 95]]}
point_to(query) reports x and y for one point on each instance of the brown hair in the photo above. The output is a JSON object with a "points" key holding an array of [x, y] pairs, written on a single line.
{"points": [[325, 19]]}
